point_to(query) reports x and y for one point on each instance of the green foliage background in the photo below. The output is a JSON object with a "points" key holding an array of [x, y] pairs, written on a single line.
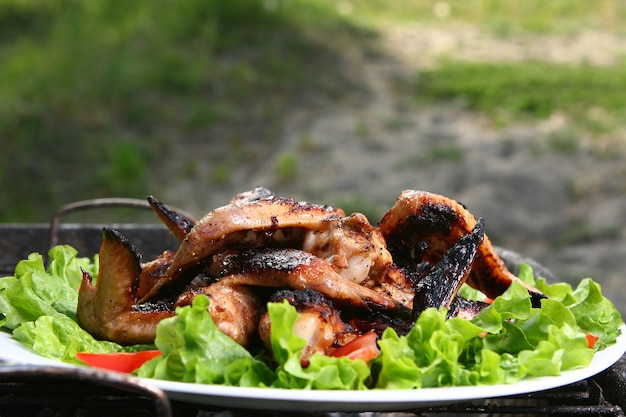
{"points": [[93, 95]]}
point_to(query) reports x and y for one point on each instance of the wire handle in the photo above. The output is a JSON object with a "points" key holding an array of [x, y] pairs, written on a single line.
{"points": [[94, 204]]}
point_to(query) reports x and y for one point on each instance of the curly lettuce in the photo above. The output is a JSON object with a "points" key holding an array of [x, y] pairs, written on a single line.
{"points": [[507, 341], [194, 350], [323, 372]]}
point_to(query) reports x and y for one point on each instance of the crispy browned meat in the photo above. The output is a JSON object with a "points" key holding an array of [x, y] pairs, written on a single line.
{"points": [[398, 283], [319, 323], [425, 247], [106, 309], [299, 270], [422, 226], [178, 224], [216, 230], [110, 309], [151, 273], [439, 288], [352, 245], [235, 309], [242, 224]]}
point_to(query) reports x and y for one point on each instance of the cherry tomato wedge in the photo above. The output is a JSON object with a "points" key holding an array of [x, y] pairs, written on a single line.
{"points": [[121, 361], [363, 347], [591, 340]]}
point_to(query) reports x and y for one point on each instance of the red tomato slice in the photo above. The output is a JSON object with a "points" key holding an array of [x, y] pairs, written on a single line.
{"points": [[121, 361], [591, 340], [363, 347]]}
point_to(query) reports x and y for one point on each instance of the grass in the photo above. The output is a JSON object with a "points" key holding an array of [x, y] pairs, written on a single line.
{"points": [[506, 18], [94, 94], [286, 167], [529, 91], [86, 88]]}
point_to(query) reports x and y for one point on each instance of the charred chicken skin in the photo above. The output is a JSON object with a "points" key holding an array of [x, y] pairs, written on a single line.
{"points": [[344, 275], [107, 309], [299, 270], [319, 323], [235, 309], [422, 226], [243, 223]]}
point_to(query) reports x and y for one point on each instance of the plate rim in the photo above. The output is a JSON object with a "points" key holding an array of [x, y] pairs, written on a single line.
{"points": [[14, 352]]}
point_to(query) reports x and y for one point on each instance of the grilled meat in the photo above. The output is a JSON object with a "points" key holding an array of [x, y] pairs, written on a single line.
{"points": [[215, 231], [352, 245], [439, 288], [299, 270], [107, 309], [319, 322], [235, 309], [151, 273], [111, 309], [422, 226], [243, 224], [345, 276], [178, 224]]}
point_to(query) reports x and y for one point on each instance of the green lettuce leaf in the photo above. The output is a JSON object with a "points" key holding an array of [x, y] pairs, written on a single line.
{"points": [[593, 313], [60, 337], [34, 291], [436, 352], [323, 372], [507, 341], [194, 350], [546, 340]]}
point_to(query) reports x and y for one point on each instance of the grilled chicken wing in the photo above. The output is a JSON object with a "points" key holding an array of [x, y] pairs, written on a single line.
{"points": [[244, 223], [422, 226], [299, 270], [352, 245], [439, 288], [178, 224], [319, 323], [107, 309], [111, 309], [235, 309]]}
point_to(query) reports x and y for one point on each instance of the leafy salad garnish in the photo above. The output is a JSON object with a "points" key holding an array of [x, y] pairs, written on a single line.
{"points": [[507, 341]]}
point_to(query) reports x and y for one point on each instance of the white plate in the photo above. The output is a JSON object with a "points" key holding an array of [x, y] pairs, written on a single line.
{"points": [[311, 400]]}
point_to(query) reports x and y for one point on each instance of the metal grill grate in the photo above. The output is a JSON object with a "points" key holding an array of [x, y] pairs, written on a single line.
{"points": [[37, 392], [54, 391]]}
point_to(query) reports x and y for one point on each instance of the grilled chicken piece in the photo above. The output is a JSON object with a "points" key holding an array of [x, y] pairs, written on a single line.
{"points": [[299, 270], [257, 193], [422, 226], [219, 228], [319, 323], [111, 310], [107, 309], [439, 288], [247, 222], [464, 308], [177, 223], [358, 252], [352, 245], [151, 273], [398, 283], [235, 309]]}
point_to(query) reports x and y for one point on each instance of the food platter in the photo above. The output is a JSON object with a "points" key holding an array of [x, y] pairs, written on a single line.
{"points": [[301, 269], [13, 352]]}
